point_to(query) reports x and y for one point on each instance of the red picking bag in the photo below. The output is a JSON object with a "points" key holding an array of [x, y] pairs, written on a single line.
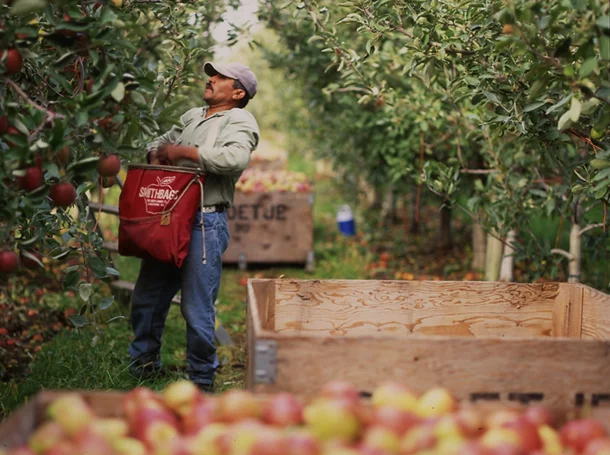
{"points": [[157, 210]]}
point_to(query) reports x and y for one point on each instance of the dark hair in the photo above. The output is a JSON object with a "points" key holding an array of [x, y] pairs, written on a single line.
{"points": [[239, 86]]}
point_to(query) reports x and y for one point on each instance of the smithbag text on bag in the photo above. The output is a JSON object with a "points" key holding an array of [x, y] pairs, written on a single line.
{"points": [[157, 210]]}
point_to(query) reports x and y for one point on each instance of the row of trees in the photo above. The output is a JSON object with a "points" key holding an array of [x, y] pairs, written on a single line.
{"points": [[82, 81], [501, 108]]}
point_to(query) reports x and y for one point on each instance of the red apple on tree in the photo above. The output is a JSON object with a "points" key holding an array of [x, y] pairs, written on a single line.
{"points": [[63, 194], [3, 124], [32, 180], [109, 165], [8, 261], [12, 60], [12, 131]]}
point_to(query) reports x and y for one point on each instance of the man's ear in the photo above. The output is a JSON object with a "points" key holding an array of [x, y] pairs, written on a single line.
{"points": [[238, 94]]}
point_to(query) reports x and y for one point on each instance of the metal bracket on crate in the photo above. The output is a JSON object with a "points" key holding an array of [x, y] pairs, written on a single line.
{"points": [[265, 361]]}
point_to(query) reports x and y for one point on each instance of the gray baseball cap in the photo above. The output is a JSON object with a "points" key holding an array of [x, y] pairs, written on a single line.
{"points": [[235, 71]]}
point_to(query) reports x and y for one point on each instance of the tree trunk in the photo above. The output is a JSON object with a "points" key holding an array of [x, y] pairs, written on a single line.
{"points": [[414, 213], [507, 268], [478, 247], [493, 258], [445, 241], [575, 251]]}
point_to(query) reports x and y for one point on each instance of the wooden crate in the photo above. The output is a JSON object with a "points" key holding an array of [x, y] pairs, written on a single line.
{"points": [[275, 227], [18, 427], [491, 344]]}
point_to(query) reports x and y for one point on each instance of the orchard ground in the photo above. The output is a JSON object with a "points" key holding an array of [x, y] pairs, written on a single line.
{"points": [[40, 348]]}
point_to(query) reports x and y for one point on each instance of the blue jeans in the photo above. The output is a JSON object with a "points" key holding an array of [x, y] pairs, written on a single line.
{"points": [[158, 283]]}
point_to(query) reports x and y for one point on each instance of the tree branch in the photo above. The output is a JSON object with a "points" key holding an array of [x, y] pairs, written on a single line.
{"points": [[589, 227], [50, 114], [563, 253], [479, 171]]}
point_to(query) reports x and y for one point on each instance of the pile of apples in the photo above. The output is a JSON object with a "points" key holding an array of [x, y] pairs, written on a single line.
{"points": [[257, 181], [181, 420], [269, 154]]}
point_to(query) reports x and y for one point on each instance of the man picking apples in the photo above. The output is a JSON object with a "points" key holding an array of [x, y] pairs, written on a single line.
{"points": [[219, 139]]}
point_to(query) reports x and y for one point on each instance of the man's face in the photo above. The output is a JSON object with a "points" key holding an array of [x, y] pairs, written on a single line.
{"points": [[219, 90]]}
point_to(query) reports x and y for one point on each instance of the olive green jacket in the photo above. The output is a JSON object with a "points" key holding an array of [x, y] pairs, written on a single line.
{"points": [[237, 135]]}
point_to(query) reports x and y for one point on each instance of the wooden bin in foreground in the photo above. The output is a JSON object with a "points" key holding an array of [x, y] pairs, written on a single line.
{"points": [[492, 344], [271, 227]]}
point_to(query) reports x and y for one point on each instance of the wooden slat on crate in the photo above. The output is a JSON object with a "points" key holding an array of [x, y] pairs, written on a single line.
{"points": [[270, 227], [553, 370], [595, 314], [339, 307], [567, 311]]}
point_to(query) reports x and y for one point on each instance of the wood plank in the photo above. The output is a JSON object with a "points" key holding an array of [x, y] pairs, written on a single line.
{"points": [[353, 307], [558, 369], [567, 311], [270, 227], [595, 314]]}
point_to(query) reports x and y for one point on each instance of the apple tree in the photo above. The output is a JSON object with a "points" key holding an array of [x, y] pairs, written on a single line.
{"points": [[518, 91], [85, 84]]}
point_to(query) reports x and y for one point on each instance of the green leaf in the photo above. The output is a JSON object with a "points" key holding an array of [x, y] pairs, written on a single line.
{"points": [[78, 321], [138, 98], [22, 7], [536, 89], [533, 106], [588, 67], [71, 279], [81, 118], [119, 92], [491, 97], [97, 266], [600, 164], [603, 22], [111, 271], [558, 105], [83, 165], [106, 302], [29, 255], [575, 110], [564, 121], [20, 126], [52, 172], [84, 291]]}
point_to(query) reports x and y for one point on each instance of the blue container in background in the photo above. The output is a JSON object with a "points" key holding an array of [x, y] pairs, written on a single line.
{"points": [[345, 221]]}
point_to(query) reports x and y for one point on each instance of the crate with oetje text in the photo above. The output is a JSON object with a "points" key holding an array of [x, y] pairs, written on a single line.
{"points": [[271, 221]]}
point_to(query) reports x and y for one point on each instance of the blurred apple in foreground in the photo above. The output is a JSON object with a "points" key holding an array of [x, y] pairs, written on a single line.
{"points": [[395, 395], [578, 433]]}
